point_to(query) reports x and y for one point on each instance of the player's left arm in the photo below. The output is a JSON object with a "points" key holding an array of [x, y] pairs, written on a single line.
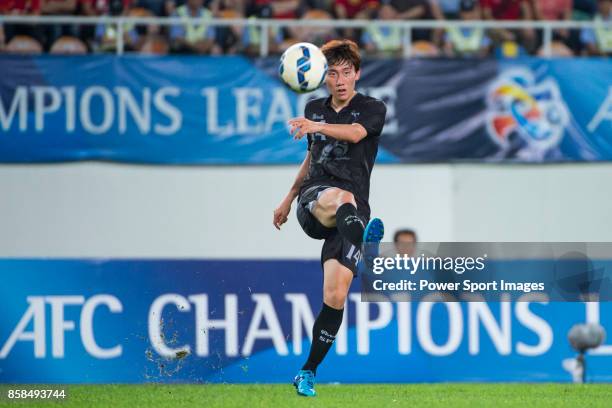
{"points": [[369, 123], [352, 133]]}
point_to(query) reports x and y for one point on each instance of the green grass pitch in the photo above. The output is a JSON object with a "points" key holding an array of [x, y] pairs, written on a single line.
{"points": [[351, 395]]}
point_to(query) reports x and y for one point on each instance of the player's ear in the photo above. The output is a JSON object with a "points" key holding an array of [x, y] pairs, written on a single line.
{"points": [[357, 75]]}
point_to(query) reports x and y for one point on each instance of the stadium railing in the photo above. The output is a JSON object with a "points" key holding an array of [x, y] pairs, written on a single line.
{"points": [[265, 25]]}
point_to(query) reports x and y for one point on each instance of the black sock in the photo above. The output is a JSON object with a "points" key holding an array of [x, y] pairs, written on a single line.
{"points": [[323, 334], [349, 224]]}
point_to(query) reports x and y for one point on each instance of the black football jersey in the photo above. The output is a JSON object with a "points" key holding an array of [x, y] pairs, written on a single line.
{"points": [[343, 164]]}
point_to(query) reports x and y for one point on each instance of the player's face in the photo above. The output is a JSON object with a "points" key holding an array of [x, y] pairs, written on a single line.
{"points": [[341, 80]]}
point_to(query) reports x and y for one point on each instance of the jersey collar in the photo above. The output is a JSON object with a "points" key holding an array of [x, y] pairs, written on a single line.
{"points": [[328, 104]]}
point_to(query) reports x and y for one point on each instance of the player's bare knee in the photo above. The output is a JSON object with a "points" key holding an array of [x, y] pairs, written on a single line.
{"points": [[334, 297], [345, 197], [329, 197]]}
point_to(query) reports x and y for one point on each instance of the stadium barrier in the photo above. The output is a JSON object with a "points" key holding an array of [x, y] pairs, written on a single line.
{"points": [[265, 25]]}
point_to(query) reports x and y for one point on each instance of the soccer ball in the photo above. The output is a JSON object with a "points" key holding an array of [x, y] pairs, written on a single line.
{"points": [[303, 67]]}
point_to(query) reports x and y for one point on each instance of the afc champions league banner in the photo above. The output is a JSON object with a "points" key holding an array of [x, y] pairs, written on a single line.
{"points": [[232, 110], [130, 321]]}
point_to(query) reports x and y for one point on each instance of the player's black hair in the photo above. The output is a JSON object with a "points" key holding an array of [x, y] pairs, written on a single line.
{"points": [[342, 51], [404, 231]]}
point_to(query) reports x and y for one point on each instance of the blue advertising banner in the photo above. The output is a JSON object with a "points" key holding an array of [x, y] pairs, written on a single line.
{"points": [[232, 110], [132, 321]]}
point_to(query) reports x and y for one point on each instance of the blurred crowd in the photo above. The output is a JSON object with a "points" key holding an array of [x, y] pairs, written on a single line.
{"points": [[202, 38]]}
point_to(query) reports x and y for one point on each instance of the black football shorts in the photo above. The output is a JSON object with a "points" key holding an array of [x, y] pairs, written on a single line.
{"points": [[311, 226], [335, 246]]}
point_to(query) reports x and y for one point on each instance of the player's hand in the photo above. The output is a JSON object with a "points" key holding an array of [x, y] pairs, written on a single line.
{"points": [[302, 126], [281, 214]]}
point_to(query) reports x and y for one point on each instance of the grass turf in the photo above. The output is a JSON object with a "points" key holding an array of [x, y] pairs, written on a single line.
{"points": [[354, 395]]}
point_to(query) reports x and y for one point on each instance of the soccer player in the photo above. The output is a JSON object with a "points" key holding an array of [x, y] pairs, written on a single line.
{"points": [[333, 186]]}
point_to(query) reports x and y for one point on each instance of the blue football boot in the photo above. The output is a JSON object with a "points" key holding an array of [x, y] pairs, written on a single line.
{"points": [[374, 231], [372, 235], [304, 383]]}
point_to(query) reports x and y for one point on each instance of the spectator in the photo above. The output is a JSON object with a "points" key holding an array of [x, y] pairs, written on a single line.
{"points": [[285, 8], [2, 39], [152, 35], [599, 40], [212, 5], [192, 37], [437, 14], [157, 7], [101, 7], [149, 38], [58, 8], [417, 10], [315, 35], [354, 9], [584, 10], [325, 5], [281, 9], [405, 241], [513, 10], [251, 35], [94, 8], [106, 34], [450, 8], [235, 5], [21, 8], [552, 10], [229, 38], [384, 40], [276, 9], [467, 41]]}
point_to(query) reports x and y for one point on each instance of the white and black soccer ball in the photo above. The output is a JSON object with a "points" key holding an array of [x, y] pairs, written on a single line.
{"points": [[303, 67]]}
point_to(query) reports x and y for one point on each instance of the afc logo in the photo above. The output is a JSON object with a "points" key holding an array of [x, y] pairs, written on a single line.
{"points": [[521, 103]]}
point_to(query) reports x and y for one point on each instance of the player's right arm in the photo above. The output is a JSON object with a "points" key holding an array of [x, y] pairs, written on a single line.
{"points": [[282, 211]]}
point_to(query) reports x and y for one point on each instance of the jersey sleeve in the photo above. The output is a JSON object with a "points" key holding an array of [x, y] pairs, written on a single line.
{"points": [[373, 118]]}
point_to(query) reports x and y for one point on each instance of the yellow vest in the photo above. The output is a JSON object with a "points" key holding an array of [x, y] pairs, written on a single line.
{"points": [[390, 41], [465, 43], [194, 32], [603, 35], [110, 34], [255, 32]]}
